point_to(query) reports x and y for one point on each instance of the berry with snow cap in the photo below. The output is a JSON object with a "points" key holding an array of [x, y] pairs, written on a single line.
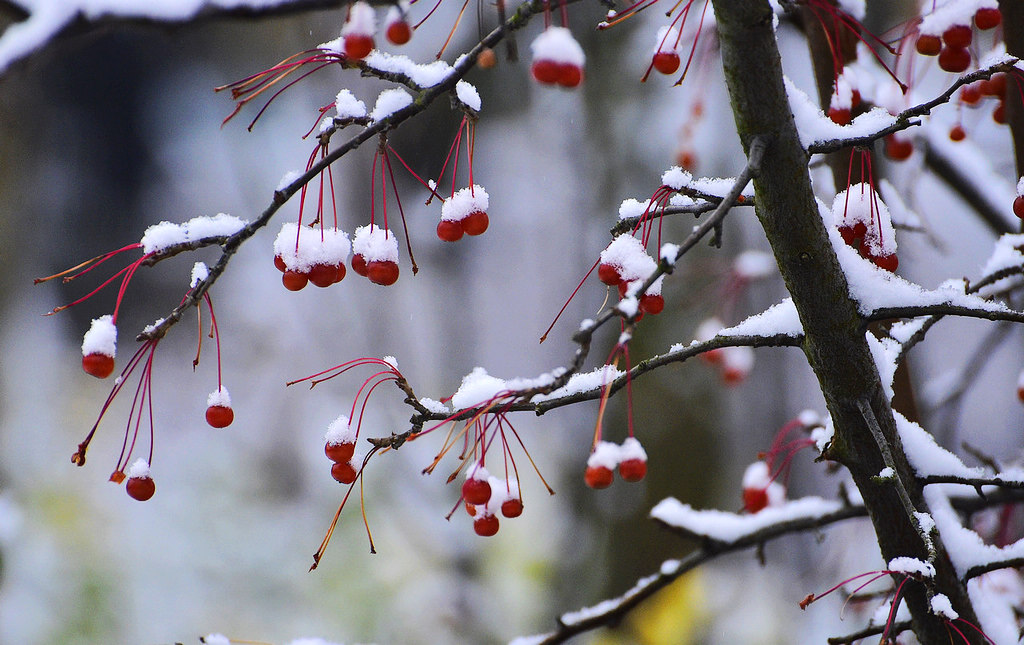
{"points": [[140, 485], [218, 408], [601, 464], [358, 30], [633, 460], [397, 30], [340, 440], [476, 489], [485, 524], [464, 212], [759, 489], [557, 58], [376, 254], [665, 57], [99, 346]]}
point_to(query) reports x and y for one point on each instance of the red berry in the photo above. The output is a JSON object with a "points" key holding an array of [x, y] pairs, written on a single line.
{"points": [[359, 264], [219, 416], [958, 36], [476, 491], [512, 507], [898, 149], [686, 159], [987, 18], [956, 133], [733, 376], [633, 470], [470, 509], [140, 488], [651, 303], [279, 263], [383, 272], [322, 275], [712, 356], [449, 230], [847, 232], [569, 75], [485, 525], [487, 58], [995, 86], [840, 116], [755, 499], [608, 274], [1018, 206], [399, 32], [475, 223], [970, 94], [358, 45], [999, 114], [343, 473], [887, 262], [666, 62], [954, 59], [598, 477], [339, 453], [545, 71], [929, 45], [294, 280], [98, 365]]}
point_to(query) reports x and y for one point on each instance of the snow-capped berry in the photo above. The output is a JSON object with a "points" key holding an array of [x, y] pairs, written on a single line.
{"points": [[219, 416], [359, 264], [476, 489], [755, 499], [398, 31], [898, 148], [557, 58], [358, 30], [339, 452], [632, 460], [988, 17], [294, 280], [759, 489], [449, 231], [666, 62], [954, 59], [929, 45], [652, 303], [598, 477], [344, 472], [958, 36], [140, 485], [608, 274], [382, 272], [1018, 206], [98, 365], [485, 524], [736, 364], [512, 507], [475, 223], [99, 347]]}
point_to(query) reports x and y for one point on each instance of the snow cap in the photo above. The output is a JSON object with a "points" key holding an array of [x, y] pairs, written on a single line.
{"points": [[101, 337], [375, 244], [465, 202], [557, 44]]}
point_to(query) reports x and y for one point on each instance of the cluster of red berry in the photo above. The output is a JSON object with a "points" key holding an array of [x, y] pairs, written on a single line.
{"points": [[557, 58], [951, 45], [630, 458], [625, 264], [361, 26], [485, 496]]}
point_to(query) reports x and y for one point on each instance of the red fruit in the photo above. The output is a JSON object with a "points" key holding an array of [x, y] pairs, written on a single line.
{"points": [[956, 133], [339, 272], [733, 376], [958, 36], [359, 264], [339, 453], [855, 98], [898, 149], [399, 32], [140, 488], [929, 45], [608, 274], [1018, 206], [995, 86], [598, 477], [294, 280], [887, 262], [633, 470], [449, 230], [970, 94], [569, 75], [987, 18], [475, 223], [954, 59], [686, 159], [840, 116], [343, 473], [279, 263], [476, 491], [219, 416], [512, 507], [755, 499], [652, 303], [358, 45], [666, 62], [322, 275], [545, 71], [487, 58], [383, 272], [485, 525], [98, 365], [999, 114], [471, 509]]}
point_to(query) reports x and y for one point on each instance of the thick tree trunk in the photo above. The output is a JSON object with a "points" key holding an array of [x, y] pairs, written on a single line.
{"points": [[835, 344]]}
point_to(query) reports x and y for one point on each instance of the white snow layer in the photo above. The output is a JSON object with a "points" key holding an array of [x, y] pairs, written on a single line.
{"points": [[723, 526], [160, 236], [101, 337]]}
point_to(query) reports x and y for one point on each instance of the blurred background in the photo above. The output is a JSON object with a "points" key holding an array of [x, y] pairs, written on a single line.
{"points": [[105, 133]]}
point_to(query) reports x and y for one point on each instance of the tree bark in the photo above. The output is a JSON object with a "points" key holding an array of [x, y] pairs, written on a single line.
{"points": [[835, 343]]}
